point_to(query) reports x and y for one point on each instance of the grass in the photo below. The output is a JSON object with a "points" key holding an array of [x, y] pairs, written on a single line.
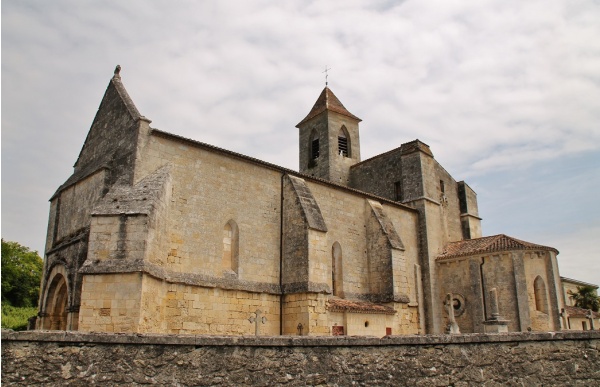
{"points": [[16, 318]]}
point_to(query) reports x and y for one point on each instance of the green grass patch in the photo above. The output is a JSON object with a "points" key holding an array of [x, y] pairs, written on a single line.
{"points": [[16, 318]]}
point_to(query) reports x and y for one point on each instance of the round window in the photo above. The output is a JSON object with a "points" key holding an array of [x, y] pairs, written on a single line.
{"points": [[458, 303]]}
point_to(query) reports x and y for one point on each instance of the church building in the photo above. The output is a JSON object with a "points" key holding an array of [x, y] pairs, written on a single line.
{"points": [[157, 233]]}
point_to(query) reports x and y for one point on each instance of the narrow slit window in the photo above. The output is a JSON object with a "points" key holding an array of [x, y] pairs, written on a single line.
{"points": [[398, 191], [230, 257], [442, 188], [539, 290]]}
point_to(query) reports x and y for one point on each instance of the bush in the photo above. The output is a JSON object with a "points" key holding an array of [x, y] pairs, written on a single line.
{"points": [[21, 275], [15, 318]]}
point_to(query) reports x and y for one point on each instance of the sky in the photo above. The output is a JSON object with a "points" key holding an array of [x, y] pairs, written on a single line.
{"points": [[505, 92]]}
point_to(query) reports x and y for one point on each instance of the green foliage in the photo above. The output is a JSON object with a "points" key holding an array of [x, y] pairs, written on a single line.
{"points": [[16, 318], [586, 298], [21, 275]]}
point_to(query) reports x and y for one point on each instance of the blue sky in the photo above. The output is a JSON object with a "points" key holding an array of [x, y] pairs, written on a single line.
{"points": [[506, 93]]}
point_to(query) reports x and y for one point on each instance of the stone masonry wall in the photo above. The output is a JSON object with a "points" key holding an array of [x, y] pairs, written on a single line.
{"points": [[379, 175], [345, 215], [210, 189], [71, 358]]}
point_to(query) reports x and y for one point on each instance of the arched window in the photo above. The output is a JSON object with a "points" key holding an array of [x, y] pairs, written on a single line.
{"points": [[336, 270], [314, 145], [56, 304], [230, 246], [343, 142], [541, 300]]}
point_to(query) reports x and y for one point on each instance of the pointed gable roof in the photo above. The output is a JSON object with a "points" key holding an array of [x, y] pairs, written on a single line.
{"points": [[487, 245], [116, 82], [111, 135], [115, 96], [327, 101]]}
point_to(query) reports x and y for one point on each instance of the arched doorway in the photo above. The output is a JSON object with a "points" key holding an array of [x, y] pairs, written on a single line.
{"points": [[56, 304]]}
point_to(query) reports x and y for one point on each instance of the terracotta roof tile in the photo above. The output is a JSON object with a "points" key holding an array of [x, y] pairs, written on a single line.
{"points": [[327, 101], [339, 305], [574, 311], [486, 245]]}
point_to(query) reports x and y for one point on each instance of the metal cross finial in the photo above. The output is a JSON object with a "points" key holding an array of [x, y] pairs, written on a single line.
{"points": [[326, 74]]}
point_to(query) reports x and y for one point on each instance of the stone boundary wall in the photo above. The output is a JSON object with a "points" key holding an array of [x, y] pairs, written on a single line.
{"points": [[515, 359]]}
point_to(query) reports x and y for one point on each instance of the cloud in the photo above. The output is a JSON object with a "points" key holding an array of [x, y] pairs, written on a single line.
{"points": [[490, 85]]}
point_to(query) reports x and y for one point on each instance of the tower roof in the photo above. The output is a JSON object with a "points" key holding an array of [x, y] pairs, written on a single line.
{"points": [[327, 101]]}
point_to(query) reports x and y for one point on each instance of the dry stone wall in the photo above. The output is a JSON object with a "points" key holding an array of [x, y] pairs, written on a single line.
{"points": [[521, 359]]}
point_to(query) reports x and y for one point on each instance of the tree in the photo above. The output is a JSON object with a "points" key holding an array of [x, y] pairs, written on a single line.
{"points": [[586, 298], [21, 275]]}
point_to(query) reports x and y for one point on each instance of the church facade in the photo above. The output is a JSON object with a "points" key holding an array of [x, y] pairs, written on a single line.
{"points": [[156, 233]]}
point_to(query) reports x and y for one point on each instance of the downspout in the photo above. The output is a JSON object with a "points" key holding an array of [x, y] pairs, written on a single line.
{"points": [[281, 295], [485, 315]]}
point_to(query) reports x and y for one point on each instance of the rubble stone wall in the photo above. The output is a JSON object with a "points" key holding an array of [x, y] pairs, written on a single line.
{"points": [[75, 358]]}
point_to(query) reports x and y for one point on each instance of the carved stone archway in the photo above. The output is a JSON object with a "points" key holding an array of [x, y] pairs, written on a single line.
{"points": [[55, 316]]}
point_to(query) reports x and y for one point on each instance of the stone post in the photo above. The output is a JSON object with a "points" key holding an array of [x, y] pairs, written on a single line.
{"points": [[590, 316], [565, 318]]}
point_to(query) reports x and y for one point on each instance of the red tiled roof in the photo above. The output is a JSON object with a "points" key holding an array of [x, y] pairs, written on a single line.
{"points": [[488, 244], [327, 101], [339, 305], [574, 311]]}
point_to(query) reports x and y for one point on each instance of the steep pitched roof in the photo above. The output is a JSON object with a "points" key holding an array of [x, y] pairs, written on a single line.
{"points": [[116, 107], [327, 101], [116, 81], [109, 99], [486, 245]]}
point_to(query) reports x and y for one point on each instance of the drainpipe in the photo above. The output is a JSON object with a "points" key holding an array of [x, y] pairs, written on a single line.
{"points": [[485, 315], [281, 295]]}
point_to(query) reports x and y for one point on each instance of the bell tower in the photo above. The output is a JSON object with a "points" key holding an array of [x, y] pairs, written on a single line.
{"points": [[329, 140]]}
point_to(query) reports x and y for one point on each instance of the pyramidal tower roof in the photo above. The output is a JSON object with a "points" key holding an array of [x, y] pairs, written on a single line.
{"points": [[327, 101]]}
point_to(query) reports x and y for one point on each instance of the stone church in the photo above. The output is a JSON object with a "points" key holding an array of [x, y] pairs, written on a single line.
{"points": [[156, 233]]}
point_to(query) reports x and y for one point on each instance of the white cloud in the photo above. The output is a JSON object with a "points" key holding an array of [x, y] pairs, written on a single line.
{"points": [[490, 85]]}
